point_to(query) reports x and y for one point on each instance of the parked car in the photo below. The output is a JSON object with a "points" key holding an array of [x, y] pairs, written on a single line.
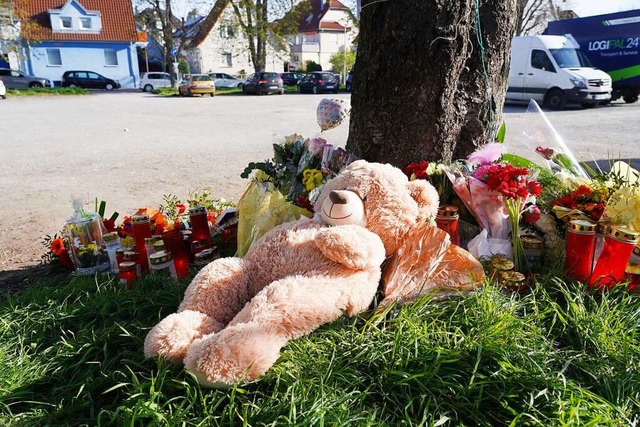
{"points": [[196, 84], [263, 83], [349, 81], [318, 82], [15, 79], [3, 91], [291, 79], [154, 80], [225, 80], [88, 80]]}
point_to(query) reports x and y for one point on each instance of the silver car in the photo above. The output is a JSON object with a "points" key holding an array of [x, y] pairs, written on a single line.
{"points": [[154, 80], [15, 79], [225, 80], [3, 91]]}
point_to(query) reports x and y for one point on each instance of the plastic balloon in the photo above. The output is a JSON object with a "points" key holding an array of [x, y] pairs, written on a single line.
{"points": [[332, 112]]}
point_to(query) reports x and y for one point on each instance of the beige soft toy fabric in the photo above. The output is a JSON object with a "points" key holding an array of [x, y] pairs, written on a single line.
{"points": [[239, 312]]}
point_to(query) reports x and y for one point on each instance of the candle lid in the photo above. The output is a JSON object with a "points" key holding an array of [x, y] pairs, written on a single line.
{"points": [[110, 237], [127, 266], [582, 227], [633, 268], [197, 210], [139, 219], [530, 241], [160, 257], [130, 255], [205, 255], [150, 240], [199, 244], [448, 212], [158, 246], [623, 234], [502, 263], [121, 251], [511, 277]]}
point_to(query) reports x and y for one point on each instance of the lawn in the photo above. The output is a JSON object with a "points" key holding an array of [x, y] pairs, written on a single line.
{"points": [[47, 91], [71, 354]]}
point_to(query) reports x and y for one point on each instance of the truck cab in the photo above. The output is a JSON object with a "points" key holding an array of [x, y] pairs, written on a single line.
{"points": [[553, 71]]}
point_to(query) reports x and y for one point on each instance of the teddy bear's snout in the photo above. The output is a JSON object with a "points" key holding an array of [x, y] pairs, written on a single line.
{"points": [[338, 197]]}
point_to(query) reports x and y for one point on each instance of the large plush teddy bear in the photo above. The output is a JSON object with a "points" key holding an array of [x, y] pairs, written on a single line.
{"points": [[239, 312]]}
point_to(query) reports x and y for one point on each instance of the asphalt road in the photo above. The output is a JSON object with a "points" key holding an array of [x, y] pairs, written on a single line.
{"points": [[131, 148]]}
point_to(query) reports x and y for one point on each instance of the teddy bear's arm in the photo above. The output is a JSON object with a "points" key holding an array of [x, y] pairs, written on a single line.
{"points": [[353, 246]]}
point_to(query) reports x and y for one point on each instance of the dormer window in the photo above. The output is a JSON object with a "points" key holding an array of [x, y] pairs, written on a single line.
{"points": [[85, 23], [65, 22]]}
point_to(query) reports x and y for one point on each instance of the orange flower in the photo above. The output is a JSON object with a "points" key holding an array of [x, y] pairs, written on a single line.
{"points": [[57, 247]]}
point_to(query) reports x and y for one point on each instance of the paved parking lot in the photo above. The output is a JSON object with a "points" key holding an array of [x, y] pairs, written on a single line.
{"points": [[131, 148]]}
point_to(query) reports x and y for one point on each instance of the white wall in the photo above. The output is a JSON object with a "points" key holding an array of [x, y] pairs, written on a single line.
{"points": [[87, 58]]}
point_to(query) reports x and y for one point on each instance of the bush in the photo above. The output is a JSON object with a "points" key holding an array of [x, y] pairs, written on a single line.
{"points": [[312, 66]]}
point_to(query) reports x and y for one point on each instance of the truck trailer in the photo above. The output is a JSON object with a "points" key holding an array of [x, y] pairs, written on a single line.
{"points": [[612, 44]]}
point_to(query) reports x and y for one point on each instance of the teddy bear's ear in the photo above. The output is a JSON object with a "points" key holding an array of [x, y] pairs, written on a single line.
{"points": [[426, 196]]}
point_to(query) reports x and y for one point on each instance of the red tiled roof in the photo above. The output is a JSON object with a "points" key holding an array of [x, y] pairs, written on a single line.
{"points": [[116, 16], [310, 22]]}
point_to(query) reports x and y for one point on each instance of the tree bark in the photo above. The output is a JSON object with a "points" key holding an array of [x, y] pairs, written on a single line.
{"points": [[424, 87]]}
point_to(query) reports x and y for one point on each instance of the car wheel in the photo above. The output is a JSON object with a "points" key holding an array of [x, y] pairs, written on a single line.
{"points": [[35, 85], [3, 96], [299, 89], [148, 88], [240, 85], [180, 93], [555, 100], [108, 86], [189, 93], [630, 99], [281, 92], [213, 94], [315, 90]]}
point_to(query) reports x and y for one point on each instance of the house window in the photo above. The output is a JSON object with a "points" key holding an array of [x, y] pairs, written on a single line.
{"points": [[227, 31], [85, 23], [65, 22], [53, 57], [110, 58], [227, 61]]}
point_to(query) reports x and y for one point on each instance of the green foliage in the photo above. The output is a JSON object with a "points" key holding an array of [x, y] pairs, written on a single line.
{"points": [[72, 355], [502, 132], [310, 66], [183, 66], [47, 91], [337, 61]]}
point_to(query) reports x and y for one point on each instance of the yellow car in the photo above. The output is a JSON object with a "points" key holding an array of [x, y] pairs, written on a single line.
{"points": [[196, 84]]}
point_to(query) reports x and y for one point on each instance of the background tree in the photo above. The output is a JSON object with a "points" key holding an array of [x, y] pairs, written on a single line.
{"points": [[337, 61], [157, 18], [429, 78], [267, 21], [533, 15]]}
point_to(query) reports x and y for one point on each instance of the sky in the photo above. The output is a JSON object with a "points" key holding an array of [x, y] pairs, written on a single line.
{"points": [[598, 7]]}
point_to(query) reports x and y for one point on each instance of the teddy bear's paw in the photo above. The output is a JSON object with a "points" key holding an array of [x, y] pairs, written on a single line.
{"points": [[173, 335], [238, 354]]}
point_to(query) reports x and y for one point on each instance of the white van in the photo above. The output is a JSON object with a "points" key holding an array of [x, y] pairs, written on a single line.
{"points": [[553, 71]]}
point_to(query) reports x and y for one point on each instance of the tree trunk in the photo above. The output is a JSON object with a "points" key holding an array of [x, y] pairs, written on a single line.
{"points": [[424, 88]]}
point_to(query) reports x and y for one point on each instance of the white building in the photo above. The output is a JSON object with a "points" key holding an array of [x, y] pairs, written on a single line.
{"points": [[326, 29]]}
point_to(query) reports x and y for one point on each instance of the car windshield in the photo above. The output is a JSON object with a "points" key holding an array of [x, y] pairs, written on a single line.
{"points": [[570, 58], [201, 78], [270, 75]]}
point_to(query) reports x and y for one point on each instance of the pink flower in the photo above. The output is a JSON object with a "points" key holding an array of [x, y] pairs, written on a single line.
{"points": [[545, 152], [486, 154]]}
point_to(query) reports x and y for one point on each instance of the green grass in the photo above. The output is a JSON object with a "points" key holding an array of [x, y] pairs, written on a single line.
{"points": [[47, 91], [71, 354], [219, 91]]}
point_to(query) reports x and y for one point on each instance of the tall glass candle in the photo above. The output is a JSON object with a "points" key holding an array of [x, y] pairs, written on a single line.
{"points": [[580, 245], [141, 230], [199, 224], [173, 242], [447, 220], [128, 273], [616, 252], [112, 243]]}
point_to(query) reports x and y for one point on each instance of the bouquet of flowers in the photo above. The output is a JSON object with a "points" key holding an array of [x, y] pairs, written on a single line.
{"points": [[433, 172], [498, 195]]}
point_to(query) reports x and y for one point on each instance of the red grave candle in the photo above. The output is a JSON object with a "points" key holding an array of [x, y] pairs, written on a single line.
{"points": [[580, 245], [128, 273], [447, 220], [199, 224], [173, 242], [141, 230], [616, 252]]}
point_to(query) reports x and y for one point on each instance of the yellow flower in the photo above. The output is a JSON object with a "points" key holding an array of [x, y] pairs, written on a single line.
{"points": [[623, 208], [311, 178], [127, 242]]}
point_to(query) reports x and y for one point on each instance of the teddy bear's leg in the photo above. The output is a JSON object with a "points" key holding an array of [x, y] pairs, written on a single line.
{"points": [[284, 310], [212, 299]]}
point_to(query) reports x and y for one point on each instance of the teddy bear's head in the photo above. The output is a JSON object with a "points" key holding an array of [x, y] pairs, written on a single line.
{"points": [[379, 197]]}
